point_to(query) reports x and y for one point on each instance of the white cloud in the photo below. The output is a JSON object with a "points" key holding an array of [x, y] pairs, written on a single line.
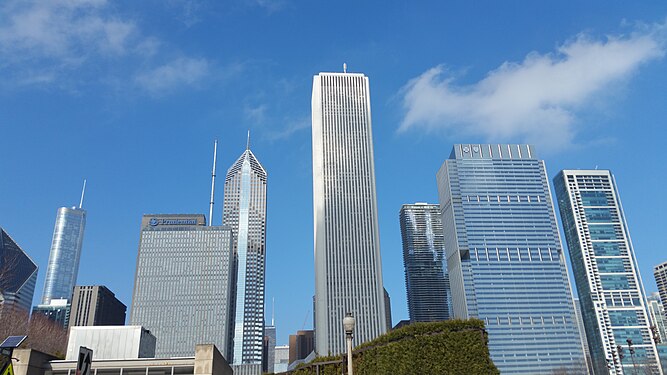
{"points": [[536, 100], [179, 72], [62, 31]]}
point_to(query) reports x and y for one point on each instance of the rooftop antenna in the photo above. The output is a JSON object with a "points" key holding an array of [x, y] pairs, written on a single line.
{"points": [[344, 68], [273, 310], [210, 209], [83, 192]]}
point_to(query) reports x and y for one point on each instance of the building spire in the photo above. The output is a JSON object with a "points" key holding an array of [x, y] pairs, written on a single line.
{"points": [[210, 209], [83, 192], [247, 146]]}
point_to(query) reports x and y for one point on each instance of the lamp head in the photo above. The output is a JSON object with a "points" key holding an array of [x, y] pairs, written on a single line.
{"points": [[348, 323]]}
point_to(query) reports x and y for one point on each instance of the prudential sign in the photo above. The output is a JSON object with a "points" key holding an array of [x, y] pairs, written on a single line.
{"points": [[155, 222]]}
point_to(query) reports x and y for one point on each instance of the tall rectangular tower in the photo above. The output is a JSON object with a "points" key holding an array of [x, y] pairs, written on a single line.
{"points": [[63, 265], [244, 213], [348, 273], [605, 270], [182, 287], [660, 274], [426, 278], [504, 257]]}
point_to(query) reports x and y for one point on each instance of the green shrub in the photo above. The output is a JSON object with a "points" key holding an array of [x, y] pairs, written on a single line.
{"points": [[451, 348]]}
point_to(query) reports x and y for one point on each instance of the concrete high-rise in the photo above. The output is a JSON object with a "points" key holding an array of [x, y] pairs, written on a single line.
{"points": [[348, 269], [63, 265], [183, 283], [605, 270], [96, 305], [18, 275], [505, 260], [660, 274], [426, 278], [244, 213]]}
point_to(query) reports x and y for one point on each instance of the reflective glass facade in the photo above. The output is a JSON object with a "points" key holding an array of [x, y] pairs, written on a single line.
{"points": [[245, 213], [660, 274], [182, 287], [426, 278], [605, 270], [65, 253], [348, 268], [18, 275], [504, 257]]}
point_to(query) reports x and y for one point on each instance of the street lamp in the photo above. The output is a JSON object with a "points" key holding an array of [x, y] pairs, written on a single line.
{"points": [[348, 324]]}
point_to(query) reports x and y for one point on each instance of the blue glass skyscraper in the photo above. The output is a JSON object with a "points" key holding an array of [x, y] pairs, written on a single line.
{"points": [[505, 260], [63, 266], [245, 213], [426, 279], [609, 285]]}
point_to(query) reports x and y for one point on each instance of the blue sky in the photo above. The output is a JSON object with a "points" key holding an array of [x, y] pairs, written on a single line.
{"points": [[131, 95]]}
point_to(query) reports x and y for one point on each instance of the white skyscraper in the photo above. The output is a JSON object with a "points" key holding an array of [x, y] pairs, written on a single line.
{"points": [[608, 282], [245, 213], [348, 274]]}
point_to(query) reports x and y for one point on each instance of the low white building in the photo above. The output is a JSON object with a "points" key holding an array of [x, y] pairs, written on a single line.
{"points": [[111, 342]]}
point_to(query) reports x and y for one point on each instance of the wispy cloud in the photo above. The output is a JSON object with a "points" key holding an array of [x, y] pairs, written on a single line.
{"points": [[67, 43], [536, 100], [180, 72], [292, 125], [61, 30]]}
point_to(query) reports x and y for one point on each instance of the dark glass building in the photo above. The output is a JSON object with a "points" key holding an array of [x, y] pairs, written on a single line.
{"points": [[96, 305], [426, 278], [18, 275]]}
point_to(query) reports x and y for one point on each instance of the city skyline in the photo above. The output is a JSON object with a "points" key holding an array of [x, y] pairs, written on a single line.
{"points": [[77, 104]]}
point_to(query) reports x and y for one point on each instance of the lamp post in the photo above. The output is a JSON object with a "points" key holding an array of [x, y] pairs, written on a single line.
{"points": [[348, 324]]}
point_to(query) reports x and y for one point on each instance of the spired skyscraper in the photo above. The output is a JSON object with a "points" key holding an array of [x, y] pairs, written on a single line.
{"points": [[505, 260], [244, 212], [348, 274], [426, 278], [65, 254], [609, 285]]}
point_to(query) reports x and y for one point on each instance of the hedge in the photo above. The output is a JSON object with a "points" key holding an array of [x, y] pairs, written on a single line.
{"points": [[448, 347]]}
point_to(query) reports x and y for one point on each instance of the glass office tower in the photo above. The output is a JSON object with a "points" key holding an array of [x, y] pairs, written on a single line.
{"points": [[244, 213], [182, 287], [18, 275], [63, 265], [504, 257], [348, 268], [426, 279], [660, 274], [605, 270]]}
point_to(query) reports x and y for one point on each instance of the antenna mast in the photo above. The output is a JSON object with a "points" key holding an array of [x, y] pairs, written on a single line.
{"points": [[82, 193], [210, 209]]}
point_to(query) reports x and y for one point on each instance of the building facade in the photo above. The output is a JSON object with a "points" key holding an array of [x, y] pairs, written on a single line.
{"points": [[301, 345], [244, 213], [348, 267], [65, 254], [582, 335], [96, 305], [269, 353], [660, 274], [182, 286], [605, 270], [58, 310], [505, 260], [657, 312], [18, 275], [426, 278]]}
